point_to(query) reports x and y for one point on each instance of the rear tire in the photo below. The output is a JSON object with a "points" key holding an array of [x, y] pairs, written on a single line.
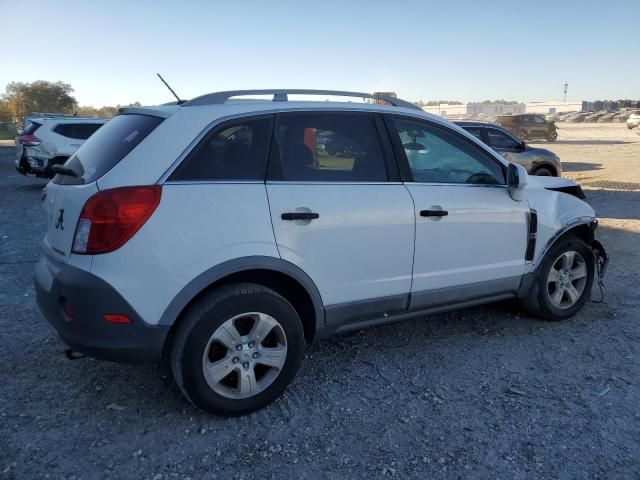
{"points": [[217, 355], [549, 299], [524, 136]]}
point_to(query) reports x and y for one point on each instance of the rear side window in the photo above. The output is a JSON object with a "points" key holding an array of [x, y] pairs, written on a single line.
{"points": [[236, 151], [30, 128], [475, 131], [500, 139], [328, 147], [77, 131], [110, 144]]}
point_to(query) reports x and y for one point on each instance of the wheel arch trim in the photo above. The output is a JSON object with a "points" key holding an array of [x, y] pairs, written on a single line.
{"points": [[591, 222], [238, 265]]}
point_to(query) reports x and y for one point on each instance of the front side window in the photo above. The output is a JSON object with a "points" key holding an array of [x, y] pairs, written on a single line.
{"points": [[328, 147], [437, 155], [500, 139], [538, 119], [236, 151]]}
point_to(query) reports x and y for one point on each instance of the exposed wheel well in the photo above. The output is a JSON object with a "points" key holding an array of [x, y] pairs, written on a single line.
{"points": [[549, 167], [281, 283], [584, 232]]}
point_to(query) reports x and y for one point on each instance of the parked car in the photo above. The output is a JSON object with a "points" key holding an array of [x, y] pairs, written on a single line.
{"points": [[577, 117], [594, 117], [633, 120], [607, 117], [537, 161], [621, 117], [48, 141], [221, 234], [529, 126]]}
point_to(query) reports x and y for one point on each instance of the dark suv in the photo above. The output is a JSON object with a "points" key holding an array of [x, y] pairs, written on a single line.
{"points": [[537, 161], [528, 126]]}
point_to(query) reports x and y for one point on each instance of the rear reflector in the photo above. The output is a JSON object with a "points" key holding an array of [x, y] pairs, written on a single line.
{"points": [[111, 217], [120, 319], [68, 310]]}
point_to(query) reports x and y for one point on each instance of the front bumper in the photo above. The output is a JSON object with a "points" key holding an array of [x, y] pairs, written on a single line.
{"points": [[602, 260], [91, 297]]}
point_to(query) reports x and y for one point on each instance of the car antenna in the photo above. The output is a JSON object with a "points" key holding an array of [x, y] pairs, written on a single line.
{"points": [[180, 102]]}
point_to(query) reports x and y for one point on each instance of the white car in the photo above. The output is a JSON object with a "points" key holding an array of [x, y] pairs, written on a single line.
{"points": [[633, 120], [48, 141], [227, 235]]}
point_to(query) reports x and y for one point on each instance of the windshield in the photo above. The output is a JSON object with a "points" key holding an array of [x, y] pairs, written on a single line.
{"points": [[110, 144]]}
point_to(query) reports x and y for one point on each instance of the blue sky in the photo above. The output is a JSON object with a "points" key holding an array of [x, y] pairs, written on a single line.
{"points": [[468, 50]]}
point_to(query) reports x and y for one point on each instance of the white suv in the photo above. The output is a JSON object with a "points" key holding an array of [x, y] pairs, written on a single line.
{"points": [[228, 234], [48, 141], [634, 120]]}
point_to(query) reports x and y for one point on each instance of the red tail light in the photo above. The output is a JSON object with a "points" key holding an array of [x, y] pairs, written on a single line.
{"points": [[110, 218], [29, 140], [120, 319]]}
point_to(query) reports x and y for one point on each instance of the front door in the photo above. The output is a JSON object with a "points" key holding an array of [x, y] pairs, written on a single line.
{"points": [[470, 235], [337, 215]]}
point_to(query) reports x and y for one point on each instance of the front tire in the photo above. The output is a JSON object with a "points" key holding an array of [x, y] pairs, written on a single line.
{"points": [[237, 349], [563, 281], [543, 172], [552, 136]]}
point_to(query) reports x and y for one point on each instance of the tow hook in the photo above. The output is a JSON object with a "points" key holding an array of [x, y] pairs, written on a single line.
{"points": [[73, 354]]}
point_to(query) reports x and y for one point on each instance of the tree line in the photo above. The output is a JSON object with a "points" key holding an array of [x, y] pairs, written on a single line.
{"points": [[21, 98]]}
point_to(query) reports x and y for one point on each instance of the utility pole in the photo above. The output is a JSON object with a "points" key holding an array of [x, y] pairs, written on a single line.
{"points": [[566, 85]]}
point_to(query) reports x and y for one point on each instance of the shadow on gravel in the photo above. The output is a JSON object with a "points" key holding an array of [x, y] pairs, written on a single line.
{"points": [[615, 204], [580, 166], [591, 142], [41, 183]]}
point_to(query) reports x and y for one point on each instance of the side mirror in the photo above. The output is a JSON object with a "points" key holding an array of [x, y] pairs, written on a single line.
{"points": [[517, 179]]}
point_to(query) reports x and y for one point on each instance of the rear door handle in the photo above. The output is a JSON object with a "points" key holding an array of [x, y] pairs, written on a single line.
{"points": [[433, 213], [300, 216]]}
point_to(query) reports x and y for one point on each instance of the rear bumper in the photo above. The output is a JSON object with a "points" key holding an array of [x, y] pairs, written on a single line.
{"points": [[90, 297]]}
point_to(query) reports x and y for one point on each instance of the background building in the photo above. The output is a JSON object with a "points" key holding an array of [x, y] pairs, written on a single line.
{"points": [[446, 109], [552, 106], [494, 108]]}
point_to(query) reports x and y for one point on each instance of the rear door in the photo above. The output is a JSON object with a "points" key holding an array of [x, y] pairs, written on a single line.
{"points": [[540, 126], [470, 234], [340, 213], [64, 197]]}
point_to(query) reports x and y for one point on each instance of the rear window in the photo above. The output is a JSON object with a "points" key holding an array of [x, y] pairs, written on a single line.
{"points": [[110, 144], [77, 131]]}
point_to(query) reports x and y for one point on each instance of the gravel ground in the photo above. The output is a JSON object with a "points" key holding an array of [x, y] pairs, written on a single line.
{"points": [[486, 392]]}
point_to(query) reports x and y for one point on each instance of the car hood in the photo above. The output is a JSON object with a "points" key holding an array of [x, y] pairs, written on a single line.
{"points": [[534, 181], [541, 152]]}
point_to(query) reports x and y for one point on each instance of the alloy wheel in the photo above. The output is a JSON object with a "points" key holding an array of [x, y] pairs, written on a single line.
{"points": [[244, 355], [567, 279]]}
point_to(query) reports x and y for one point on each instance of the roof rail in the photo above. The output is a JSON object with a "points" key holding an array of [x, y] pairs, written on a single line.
{"points": [[281, 95]]}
